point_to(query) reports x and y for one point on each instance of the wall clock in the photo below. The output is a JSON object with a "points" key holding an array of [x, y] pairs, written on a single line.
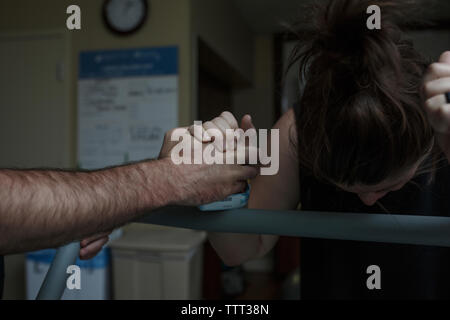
{"points": [[125, 16]]}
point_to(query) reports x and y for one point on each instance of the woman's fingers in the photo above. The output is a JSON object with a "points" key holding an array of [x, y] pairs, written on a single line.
{"points": [[224, 126], [246, 123], [199, 133], [228, 117], [445, 57], [221, 124], [218, 128], [216, 133], [437, 70], [439, 113], [437, 87], [436, 105], [225, 122]]}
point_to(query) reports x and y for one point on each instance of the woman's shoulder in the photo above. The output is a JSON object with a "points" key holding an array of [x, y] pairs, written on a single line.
{"points": [[288, 132]]}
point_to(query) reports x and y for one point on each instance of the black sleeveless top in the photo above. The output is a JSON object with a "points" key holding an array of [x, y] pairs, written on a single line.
{"points": [[336, 269]]}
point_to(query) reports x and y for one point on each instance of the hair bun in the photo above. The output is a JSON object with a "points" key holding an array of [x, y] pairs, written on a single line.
{"points": [[341, 27]]}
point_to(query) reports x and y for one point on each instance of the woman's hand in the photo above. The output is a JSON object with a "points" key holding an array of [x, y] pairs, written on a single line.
{"points": [[224, 122], [231, 150], [436, 85]]}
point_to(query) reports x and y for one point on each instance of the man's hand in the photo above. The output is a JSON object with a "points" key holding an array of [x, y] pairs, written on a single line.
{"points": [[91, 246], [436, 85], [205, 183]]}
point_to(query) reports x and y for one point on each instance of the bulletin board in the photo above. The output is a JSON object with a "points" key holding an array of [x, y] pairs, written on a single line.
{"points": [[127, 100]]}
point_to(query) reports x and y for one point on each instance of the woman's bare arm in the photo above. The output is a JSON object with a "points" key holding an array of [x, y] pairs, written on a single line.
{"points": [[277, 192]]}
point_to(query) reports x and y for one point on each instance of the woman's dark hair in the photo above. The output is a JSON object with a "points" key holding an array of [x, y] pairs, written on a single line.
{"points": [[361, 118]]}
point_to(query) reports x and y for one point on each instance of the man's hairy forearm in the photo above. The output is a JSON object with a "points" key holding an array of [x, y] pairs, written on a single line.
{"points": [[41, 209]]}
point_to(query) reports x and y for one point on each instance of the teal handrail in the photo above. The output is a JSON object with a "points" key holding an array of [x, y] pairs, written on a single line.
{"points": [[404, 229]]}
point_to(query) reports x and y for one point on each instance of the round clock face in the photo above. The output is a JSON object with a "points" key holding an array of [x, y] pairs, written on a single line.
{"points": [[125, 16]]}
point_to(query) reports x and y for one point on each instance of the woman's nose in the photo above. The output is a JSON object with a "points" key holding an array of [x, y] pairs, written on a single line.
{"points": [[369, 199]]}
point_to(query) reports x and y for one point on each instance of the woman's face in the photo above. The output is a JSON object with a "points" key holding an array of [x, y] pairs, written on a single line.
{"points": [[369, 195]]}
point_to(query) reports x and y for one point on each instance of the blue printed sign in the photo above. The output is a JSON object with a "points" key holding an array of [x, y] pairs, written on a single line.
{"points": [[128, 63]]}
